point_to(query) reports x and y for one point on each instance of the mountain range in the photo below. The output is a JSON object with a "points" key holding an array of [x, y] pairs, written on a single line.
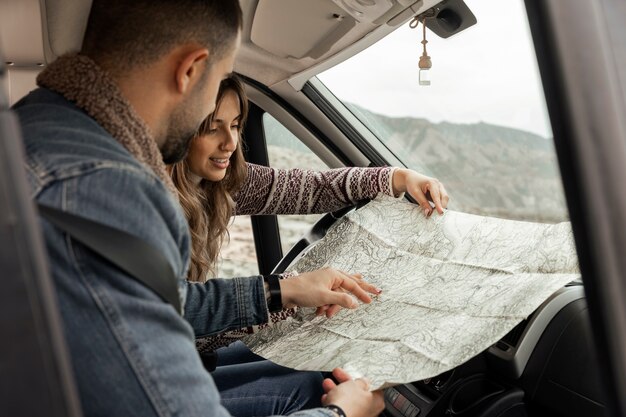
{"points": [[487, 169]]}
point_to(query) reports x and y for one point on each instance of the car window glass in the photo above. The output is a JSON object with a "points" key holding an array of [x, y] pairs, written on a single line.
{"points": [[286, 151], [481, 127], [238, 254]]}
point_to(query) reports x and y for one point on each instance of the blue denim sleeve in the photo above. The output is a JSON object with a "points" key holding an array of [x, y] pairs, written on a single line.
{"points": [[219, 305], [132, 353]]}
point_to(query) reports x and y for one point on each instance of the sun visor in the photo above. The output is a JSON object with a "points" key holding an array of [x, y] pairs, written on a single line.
{"points": [[295, 28], [304, 28]]}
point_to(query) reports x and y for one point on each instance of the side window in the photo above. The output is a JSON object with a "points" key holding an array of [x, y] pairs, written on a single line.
{"points": [[285, 152], [238, 254]]}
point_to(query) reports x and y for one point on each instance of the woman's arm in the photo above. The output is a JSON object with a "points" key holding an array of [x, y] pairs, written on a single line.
{"points": [[298, 191]]}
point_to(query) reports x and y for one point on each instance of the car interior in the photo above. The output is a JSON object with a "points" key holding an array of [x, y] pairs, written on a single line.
{"points": [[551, 364]]}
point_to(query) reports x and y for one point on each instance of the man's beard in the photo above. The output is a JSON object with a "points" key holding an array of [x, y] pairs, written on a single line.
{"points": [[182, 129], [176, 147]]}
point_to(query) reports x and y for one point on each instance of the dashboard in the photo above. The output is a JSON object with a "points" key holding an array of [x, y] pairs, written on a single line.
{"points": [[545, 366]]}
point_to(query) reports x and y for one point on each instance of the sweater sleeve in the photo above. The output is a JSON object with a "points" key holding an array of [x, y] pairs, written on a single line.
{"points": [[298, 191], [211, 343]]}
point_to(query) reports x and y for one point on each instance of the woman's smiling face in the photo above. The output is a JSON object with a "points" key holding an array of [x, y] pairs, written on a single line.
{"points": [[209, 153]]}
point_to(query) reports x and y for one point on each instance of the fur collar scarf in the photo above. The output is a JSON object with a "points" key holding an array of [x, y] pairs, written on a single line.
{"points": [[81, 81]]}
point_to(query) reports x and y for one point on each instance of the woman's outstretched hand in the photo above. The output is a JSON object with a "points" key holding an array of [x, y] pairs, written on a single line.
{"points": [[328, 289], [422, 188]]}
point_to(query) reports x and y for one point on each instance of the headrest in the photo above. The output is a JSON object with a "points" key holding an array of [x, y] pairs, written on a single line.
{"points": [[38, 31], [67, 20]]}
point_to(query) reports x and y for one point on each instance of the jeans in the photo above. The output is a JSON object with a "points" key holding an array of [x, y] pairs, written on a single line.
{"points": [[252, 386]]}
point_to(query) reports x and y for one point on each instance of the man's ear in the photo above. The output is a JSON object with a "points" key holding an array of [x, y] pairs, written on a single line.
{"points": [[190, 68]]}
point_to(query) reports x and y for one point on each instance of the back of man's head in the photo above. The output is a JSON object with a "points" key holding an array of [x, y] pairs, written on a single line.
{"points": [[124, 35]]}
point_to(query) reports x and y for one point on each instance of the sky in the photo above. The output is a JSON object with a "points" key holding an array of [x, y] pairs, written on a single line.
{"points": [[487, 73]]}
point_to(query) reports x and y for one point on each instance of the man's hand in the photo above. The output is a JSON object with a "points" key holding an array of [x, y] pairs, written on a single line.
{"points": [[421, 188], [326, 288], [353, 396]]}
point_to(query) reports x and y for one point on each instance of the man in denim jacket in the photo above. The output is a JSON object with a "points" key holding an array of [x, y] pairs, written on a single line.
{"points": [[97, 134]]}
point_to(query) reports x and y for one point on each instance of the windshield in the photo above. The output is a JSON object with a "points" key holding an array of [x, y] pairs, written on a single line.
{"points": [[481, 127]]}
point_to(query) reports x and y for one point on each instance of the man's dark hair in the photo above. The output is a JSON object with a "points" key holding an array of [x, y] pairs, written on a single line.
{"points": [[125, 34]]}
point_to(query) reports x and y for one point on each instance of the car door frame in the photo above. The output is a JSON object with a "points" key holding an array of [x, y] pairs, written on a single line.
{"points": [[265, 228], [580, 46]]}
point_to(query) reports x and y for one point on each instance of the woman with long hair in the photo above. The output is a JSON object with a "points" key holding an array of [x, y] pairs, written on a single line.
{"points": [[214, 183]]}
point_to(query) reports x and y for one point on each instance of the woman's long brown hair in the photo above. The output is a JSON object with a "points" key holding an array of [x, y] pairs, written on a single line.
{"points": [[208, 206]]}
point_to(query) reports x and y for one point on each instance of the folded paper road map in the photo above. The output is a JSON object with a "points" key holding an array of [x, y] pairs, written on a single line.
{"points": [[453, 285]]}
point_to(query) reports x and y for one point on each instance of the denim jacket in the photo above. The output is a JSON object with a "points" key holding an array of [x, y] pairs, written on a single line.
{"points": [[132, 353]]}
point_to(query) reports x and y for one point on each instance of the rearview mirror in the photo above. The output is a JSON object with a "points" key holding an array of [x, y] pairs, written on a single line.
{"points": [[448, 18]]}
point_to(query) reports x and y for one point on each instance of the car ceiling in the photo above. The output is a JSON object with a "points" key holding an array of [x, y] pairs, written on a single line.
{"points": [[281, 39]]}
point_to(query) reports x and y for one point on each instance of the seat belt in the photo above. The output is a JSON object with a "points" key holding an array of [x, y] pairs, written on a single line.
{"points": [[134, 256]]}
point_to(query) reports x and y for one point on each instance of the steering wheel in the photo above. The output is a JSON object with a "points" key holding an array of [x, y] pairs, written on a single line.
{"points": [[317, 231]]}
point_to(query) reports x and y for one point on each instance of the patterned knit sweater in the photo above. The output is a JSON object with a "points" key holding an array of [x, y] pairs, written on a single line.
{"points": [[298, 191]]}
